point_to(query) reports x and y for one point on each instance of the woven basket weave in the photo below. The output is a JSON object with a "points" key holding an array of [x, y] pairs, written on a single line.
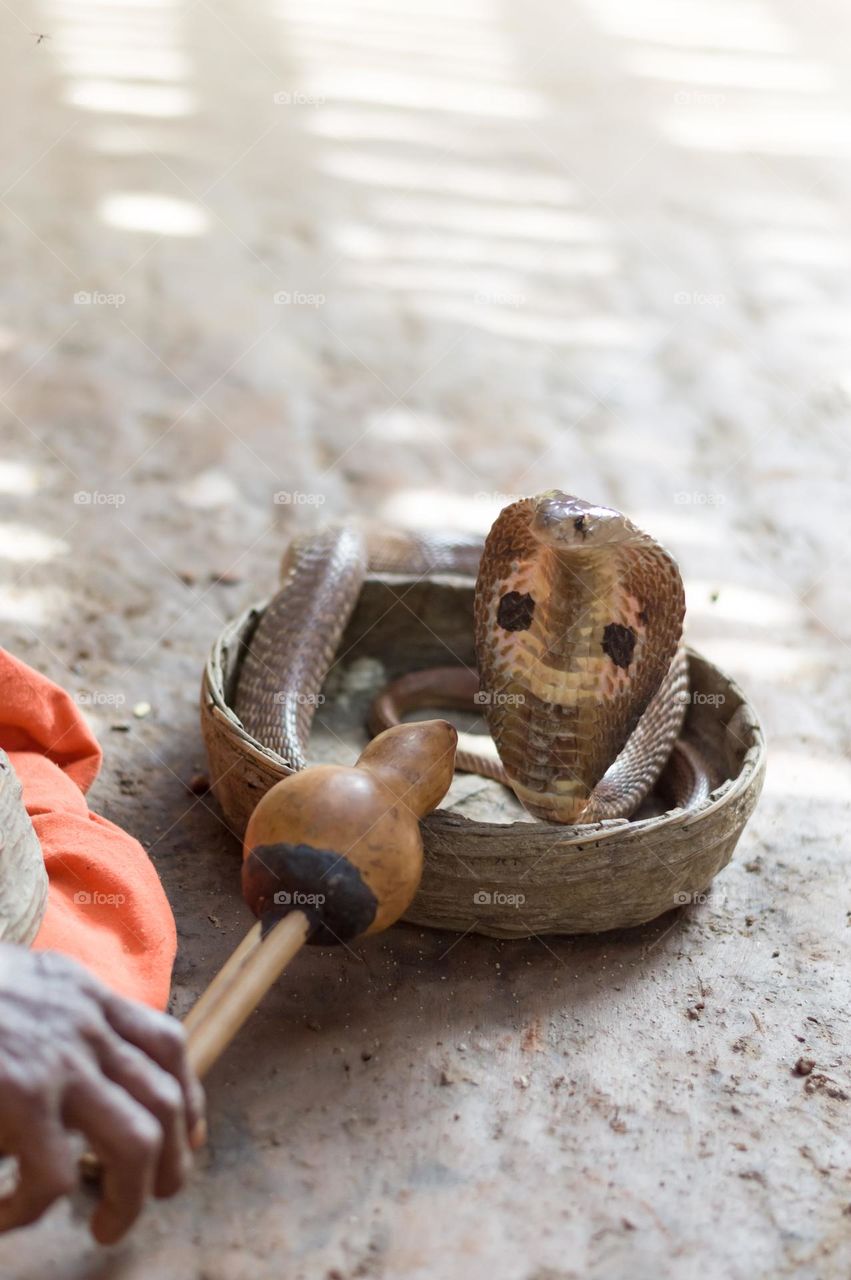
{"points": [[499, 872]]}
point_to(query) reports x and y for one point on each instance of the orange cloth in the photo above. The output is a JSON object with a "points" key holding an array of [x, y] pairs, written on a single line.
{"points": [[106, 906]]}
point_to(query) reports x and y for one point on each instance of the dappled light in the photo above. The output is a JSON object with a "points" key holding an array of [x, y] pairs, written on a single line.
{"points": [[17, 478], [700, 24], [32, 606], [801, 248], [23, 544], [734, 70], [130, 99], [772, 129], [140, 211], [734, 80], [799, 774], [110, 62], [436, 510], [403, 426], [426, 186]]}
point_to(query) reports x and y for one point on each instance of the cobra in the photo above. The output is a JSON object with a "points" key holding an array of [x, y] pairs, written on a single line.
{"points": [[582, 676]]}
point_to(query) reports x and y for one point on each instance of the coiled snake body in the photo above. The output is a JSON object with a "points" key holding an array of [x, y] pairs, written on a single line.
{"points": [[578, 622]]}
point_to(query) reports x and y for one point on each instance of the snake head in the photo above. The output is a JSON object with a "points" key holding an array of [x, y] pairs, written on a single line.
{"points": [[562, 522]]}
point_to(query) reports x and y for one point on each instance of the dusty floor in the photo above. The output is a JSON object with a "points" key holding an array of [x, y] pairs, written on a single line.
{"points": [[408, 257]]}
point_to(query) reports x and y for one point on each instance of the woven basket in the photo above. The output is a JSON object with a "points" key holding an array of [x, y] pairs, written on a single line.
{"points": [[489, 867], [23, 879]]}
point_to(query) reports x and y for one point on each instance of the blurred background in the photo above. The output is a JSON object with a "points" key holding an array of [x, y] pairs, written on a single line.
{"points": [[263, 265]]}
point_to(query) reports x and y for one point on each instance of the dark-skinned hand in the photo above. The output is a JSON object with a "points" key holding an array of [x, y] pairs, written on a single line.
{"points": [[76, 1058]]}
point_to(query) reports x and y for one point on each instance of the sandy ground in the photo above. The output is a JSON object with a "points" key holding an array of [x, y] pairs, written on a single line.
{"points": [[407, 258]]}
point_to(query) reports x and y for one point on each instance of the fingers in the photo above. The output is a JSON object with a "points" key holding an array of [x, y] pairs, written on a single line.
{"points": [[76, 1058], [163, 1039], [47, 1170], [161, 1095], [129, 1142]]}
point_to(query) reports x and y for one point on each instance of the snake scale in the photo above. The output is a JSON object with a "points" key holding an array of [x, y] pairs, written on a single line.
{"points": [[582, 676]]}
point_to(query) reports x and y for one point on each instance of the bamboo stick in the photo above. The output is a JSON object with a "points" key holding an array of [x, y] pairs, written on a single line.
{"points": [[240, 985], [211, 994]]}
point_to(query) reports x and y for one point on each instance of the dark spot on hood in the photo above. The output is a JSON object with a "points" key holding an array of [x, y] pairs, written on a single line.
{"points": [[515, 611], [619, 643]]}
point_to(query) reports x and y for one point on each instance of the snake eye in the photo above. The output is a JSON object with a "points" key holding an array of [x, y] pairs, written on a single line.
{"points": [[579, 525]]}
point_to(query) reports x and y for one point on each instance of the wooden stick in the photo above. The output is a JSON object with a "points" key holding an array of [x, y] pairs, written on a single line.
{"points": [[212, 994], [231, 997], [240, 985]]}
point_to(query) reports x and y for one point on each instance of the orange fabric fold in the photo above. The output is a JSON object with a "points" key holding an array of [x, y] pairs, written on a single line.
{"points": [[106, 906]]}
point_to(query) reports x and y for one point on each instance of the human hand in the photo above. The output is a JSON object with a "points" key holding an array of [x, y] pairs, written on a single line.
{"points": [[75, 1057]]}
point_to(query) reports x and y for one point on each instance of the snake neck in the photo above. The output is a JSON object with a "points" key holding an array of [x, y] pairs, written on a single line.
{"points": [[580, 595], [575, 590]]}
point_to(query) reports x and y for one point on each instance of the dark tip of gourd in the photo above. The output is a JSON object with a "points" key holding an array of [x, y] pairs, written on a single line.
{"points": [[330, 890]]}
